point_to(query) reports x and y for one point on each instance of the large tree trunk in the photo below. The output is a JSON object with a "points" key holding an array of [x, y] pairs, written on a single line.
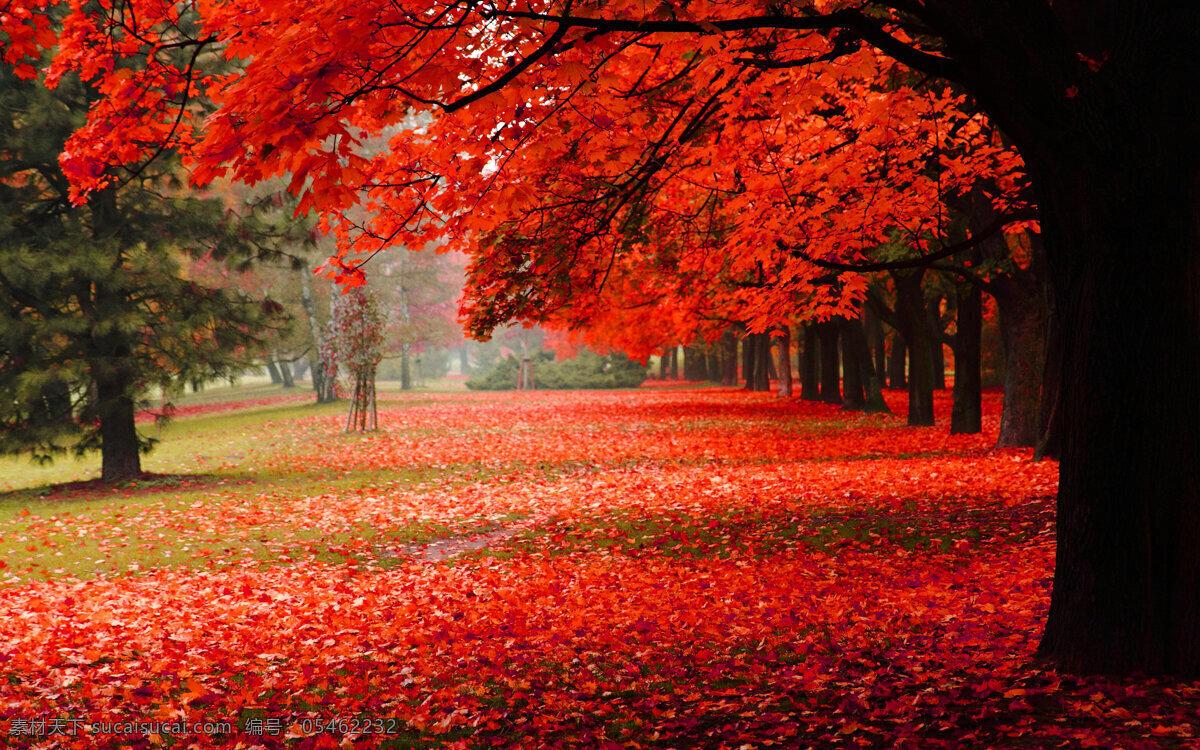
{"points": [[1127, 576], [1097, 97]]}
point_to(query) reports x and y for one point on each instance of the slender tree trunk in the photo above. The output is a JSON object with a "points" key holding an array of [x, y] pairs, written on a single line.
{"points": [[897, 381], [464, 360], [273, 371], [729, 361], [285, 374], [873, 330], [785, 362], [854, 397], [912, 315], [830, 376], [966, 416], [748, 360], [762, 361], [1020, 300], [810, 372], [322, 380], [673, 363], [405, 367], [937, 359]]}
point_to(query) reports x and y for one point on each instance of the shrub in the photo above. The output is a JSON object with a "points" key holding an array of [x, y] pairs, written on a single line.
{"points": [[586, 371]]}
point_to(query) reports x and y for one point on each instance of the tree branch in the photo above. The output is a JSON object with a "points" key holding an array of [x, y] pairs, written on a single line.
{"points": [[868, 29], [922, 262]]}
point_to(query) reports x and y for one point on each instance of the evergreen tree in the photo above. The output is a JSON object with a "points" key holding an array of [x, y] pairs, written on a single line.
{"points": [[95, 308]]}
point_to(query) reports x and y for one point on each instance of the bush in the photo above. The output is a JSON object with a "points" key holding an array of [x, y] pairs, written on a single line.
{"points": [[587, 371]]}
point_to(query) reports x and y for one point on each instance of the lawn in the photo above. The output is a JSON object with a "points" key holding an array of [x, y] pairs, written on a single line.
{"points": [[658, 568]]}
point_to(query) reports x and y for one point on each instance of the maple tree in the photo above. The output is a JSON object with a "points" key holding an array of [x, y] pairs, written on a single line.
{"points": [[594, 106], [356, 328]]}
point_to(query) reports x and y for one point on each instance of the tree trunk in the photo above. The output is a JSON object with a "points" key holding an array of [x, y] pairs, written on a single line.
{"points": [[729, 358], [748, 360], [285, 374], [785, 362], [762, 361], [673, 363], [828, 334], [405, 368], [854, 397], [273, 372], [966, 416], [914, 326], [1118, 187], [1020, 299], [1123, 240], [810, 378], [856, 343], [937, 355], [464, 360], [322, 380], [873, 328], [896, 361], [120, 455], [1049, 443]]}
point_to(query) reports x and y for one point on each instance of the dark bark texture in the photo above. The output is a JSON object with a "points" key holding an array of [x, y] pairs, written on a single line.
{"points": [[1116, 168]]}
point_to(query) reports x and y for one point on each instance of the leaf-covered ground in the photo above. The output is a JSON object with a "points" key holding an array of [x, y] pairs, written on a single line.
{"points": [[693, 568]]}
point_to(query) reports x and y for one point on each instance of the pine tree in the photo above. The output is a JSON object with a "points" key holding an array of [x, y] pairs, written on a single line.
{"points": [[95, 308]]}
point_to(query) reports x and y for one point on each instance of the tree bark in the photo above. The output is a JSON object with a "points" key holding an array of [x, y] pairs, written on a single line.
{"points": [[762, 361], [897, 381], [120, 449], [873, 327], [914, 326], [810, 379], [937, 355], [1020, 299], [729, 358], [785, 362], [966, 415], [273, 372], [285, 374], [748, 360], [830, 376], [854, 397], [856, 343]]}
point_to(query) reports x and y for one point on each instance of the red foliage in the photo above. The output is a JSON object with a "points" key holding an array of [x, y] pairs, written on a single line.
{"points": [[681, 568]]}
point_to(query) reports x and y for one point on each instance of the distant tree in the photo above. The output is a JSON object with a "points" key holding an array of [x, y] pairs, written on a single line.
{"points": [[356, 337]]}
